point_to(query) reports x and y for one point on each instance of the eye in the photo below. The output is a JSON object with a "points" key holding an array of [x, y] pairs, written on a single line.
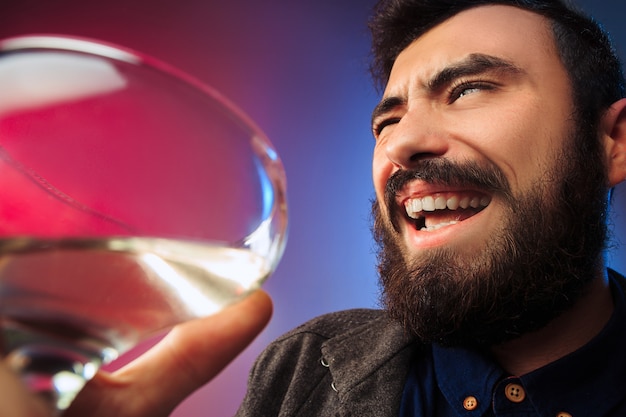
{"points": [[466, 88], [379, 126]]}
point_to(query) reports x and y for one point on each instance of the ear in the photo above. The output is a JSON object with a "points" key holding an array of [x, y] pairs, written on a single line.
{"points": [[613, 134]]}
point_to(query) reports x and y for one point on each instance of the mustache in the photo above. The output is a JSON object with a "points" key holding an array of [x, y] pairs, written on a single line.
{"points": [[442, 171]]}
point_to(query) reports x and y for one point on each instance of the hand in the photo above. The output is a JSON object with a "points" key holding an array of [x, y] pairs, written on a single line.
{"points": [[15, 400], [155, 383]]}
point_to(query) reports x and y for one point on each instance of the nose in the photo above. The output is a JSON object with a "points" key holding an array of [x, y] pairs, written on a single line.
{"points": [[415, 138]]}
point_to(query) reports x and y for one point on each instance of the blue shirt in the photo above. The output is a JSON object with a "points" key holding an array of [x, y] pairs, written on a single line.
{"points": [[590, 382]]}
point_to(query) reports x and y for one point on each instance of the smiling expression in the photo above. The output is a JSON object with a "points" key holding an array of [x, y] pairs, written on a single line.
{"points": [[460, 94]]}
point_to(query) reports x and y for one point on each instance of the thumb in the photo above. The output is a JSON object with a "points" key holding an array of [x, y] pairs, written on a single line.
{"points": [[16, 400]]}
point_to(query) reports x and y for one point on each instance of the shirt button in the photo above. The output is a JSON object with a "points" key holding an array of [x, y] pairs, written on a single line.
{"points": [[470, 403], [515, 393], [563, 414]]}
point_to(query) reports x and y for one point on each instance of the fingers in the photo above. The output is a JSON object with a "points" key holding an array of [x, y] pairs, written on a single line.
{"points": [[16, 400], [188, 357]]}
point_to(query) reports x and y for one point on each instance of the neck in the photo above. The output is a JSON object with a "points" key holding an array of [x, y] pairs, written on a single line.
{"points": [[565, 334]]}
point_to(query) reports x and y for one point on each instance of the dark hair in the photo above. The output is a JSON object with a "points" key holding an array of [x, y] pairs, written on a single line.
{"points": [[584, 48]]}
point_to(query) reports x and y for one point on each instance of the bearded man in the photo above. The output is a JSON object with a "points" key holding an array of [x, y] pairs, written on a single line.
{"points": [[499, 136]]}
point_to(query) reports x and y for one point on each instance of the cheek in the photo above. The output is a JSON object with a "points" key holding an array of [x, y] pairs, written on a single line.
{"points": [[517, 142], [382, 169]]}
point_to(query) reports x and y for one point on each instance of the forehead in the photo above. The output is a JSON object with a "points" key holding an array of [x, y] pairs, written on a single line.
{"points": [[513, 34]]}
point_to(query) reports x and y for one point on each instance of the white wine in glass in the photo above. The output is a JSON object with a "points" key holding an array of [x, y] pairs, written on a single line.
{"points": [[132, 198]]}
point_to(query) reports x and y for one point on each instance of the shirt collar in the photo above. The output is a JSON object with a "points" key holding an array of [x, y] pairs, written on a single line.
{"points": [[586, 382], [462, 374]]}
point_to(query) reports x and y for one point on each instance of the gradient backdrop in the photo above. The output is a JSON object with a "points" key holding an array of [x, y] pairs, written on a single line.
{"points": [[299, 69]]}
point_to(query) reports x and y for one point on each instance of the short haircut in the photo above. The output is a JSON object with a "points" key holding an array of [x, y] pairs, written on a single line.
{"points": [[584, 48]]}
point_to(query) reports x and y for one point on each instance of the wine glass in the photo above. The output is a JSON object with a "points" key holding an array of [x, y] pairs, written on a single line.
{"points": [[133, 198]]}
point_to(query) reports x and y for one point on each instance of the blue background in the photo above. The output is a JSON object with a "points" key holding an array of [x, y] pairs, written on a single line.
{"points": [[299, 69]]}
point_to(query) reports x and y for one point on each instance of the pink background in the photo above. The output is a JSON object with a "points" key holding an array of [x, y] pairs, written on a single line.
{"points": [[299, 69]]}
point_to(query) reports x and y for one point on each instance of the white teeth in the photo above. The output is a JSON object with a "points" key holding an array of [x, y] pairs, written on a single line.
{"points": [[415, 206], [453, 203], [438, 226], [440, 203], [418, 204], [428, 203]]}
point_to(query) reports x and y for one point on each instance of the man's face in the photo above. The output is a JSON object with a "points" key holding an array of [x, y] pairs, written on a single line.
{"points": [[476, 130], [509, 107]]}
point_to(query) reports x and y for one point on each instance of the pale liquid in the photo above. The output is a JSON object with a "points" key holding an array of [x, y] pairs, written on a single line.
{"points": [[97, 298]]}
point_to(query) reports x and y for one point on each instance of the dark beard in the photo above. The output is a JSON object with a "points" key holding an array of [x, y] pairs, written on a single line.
{"points": [[537, 266]]}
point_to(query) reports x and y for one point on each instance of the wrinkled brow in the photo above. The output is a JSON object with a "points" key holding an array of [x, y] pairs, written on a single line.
{"points": [[473, 64]]}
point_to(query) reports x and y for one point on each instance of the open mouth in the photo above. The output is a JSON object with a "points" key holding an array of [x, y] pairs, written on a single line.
{"points": [[433, 212]]}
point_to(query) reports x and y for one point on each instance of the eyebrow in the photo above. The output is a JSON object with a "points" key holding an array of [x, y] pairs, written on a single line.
{"points": [[473, 64]]}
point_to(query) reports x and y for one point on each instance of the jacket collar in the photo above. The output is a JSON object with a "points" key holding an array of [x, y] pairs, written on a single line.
{"points": [[369, 365]]}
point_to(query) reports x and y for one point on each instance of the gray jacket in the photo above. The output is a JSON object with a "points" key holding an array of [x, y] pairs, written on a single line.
{"points": [[349, 363]]}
